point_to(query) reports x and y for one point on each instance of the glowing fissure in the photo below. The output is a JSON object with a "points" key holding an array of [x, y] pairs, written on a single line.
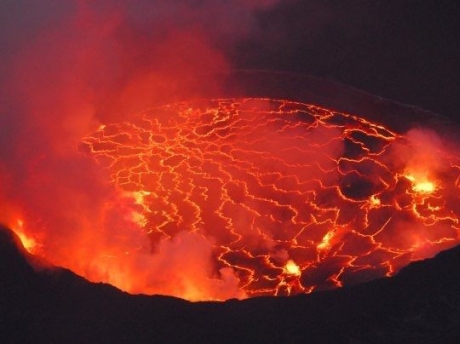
{"points": [[29, 243], [269, 197]]}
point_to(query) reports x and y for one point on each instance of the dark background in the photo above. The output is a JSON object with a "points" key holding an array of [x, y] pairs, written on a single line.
{"points": [[408, 51]]}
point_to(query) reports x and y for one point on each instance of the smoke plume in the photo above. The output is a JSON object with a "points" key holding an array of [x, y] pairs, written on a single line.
{"points": [[68, 67]]}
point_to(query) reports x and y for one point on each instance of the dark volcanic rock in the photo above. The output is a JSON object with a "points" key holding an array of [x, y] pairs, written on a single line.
{"points": [[46, 304]]}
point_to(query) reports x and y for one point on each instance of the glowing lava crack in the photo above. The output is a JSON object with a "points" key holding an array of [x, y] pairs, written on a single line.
{"points": [[289, 198]]}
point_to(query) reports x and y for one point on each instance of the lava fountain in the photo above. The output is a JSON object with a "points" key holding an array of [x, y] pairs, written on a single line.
{"points": [[247, 196]]}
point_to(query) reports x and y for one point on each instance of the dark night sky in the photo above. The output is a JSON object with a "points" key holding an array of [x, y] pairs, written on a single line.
{"points": [[407, 51]]}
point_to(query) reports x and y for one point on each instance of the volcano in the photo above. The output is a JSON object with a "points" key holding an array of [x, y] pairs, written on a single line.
{"points": [[357, 170], [271, 193], [263, 206]]}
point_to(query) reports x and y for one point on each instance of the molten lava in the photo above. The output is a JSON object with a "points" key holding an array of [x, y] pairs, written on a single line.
{"points": [[246, 197], [29, 243]]}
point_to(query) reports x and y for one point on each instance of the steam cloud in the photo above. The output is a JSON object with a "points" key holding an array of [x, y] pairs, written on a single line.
{"points": [[68, 66]]}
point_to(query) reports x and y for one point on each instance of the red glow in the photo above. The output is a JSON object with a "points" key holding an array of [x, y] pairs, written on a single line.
{"points": [[247, 197], [29, 243], [205, 199]]}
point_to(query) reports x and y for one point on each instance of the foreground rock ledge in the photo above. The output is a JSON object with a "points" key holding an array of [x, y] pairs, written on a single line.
{"points": [[419, 305]]}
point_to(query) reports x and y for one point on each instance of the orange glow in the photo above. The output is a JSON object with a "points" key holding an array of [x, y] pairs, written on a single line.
{"points": [[375, 201], [27, 241], [326, 242], [421, 184], [292, 268], [424, 187], [223, 198], [139, 219]]}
